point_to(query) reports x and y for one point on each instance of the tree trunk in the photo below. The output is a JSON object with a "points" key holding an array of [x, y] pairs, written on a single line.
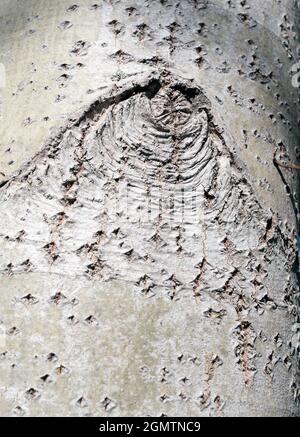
{"points": [[148, 237]]}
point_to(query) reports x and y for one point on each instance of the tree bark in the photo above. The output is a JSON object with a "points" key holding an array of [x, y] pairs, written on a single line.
{"points": [[148, 237]]}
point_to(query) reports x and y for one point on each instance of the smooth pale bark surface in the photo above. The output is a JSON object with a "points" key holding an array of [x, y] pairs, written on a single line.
{"points": [[103, 311]]}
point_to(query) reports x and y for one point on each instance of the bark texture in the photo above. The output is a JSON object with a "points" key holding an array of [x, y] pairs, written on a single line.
{"points": [[148, 243]]}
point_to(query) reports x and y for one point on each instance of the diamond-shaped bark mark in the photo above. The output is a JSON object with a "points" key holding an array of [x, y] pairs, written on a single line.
{"points": [[164, 398], [121, 56], [58, 298], [58, 220], [52, 251], [72, 320], [29, 299], [130, 11], [62, 370], [100, 235], [13, 331], [88, 249], [157, 240], [132, 255], [18, 411], [80, 48], [26, 265], [45, 378], [68, 200], [32, 394], [204, 400], [146, 286], [143, 31], [52, 357], [185, 381], [228, 246], [91, 320], [9, 269], [287, 362], [81, 402], [72, 8], [65, 25], [20, 235], [278, 340], [174, 284], [68, 184], [219, 405], [118, 234], [108, 404], [92, 249], [183, 397], [96, 269], [116, 27], [216, 315], [165, 374]]}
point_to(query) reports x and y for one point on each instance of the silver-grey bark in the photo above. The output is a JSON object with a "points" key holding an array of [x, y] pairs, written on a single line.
{"points": [[148, 243]]}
